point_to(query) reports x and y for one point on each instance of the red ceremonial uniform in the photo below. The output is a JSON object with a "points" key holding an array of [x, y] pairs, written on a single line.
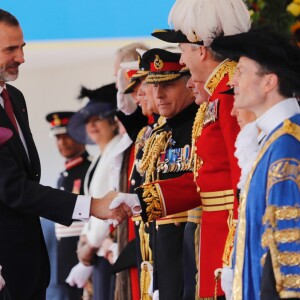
{"points": [[214, 182]]}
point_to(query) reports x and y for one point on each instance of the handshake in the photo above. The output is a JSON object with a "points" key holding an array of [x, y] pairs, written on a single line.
{"points": [[115, 207]]}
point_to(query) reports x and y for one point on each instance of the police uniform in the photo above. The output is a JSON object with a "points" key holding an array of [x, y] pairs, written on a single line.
{"points": [[70, 180]]}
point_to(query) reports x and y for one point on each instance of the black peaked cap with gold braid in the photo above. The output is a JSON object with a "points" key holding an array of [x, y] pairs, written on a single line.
{"points": [[164, 65]]}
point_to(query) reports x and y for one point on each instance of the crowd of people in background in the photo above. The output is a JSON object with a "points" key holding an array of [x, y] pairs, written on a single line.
{"points": [[194, 191]]}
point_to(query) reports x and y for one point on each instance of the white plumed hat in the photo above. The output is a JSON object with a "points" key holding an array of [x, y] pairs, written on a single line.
{"points": [[206, 19]]}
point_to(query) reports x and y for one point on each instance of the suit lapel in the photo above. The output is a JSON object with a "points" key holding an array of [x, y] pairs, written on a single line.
{"points": [[19, 108]]}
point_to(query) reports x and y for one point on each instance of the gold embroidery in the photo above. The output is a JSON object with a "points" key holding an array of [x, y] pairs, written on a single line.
{"points": [[158, 63], [274, 213], [228, 249], [289, 258], [283, 169], [154, 145], [226, 67], [291, 281], [280, 236], [289, 294], [152, 200], [159, 30], [195, 161], [287, 235], [156, 78], [287, 128]]}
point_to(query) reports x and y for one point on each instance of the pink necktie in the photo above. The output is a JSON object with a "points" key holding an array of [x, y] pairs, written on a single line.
{"points": [[8, 108]]}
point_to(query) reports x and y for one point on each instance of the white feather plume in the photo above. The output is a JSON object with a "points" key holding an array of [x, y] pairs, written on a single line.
{"points": [[206, 19]]}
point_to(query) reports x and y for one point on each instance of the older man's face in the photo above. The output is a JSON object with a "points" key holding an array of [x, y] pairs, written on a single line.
{"points": [[172, 97], [11, 52], [190, 57]]}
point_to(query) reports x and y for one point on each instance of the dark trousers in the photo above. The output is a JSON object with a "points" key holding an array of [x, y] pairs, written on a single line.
{"points": [[103, 280], [189, 261]]}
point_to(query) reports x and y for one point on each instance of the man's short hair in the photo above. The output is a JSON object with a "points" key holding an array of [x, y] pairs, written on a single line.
{"points": [[8, 18]]}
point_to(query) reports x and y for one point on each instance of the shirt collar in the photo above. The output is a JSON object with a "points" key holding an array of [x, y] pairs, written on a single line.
{"points": [[1, 89], [277, 114]]}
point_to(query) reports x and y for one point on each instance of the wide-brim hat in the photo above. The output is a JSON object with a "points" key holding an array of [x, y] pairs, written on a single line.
{"points": [[271, 50], [103, 104], [5, 135], [76, 126], [58, 121], [173, 36]]}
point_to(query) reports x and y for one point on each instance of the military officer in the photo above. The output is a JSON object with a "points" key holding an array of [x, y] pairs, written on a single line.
{"points": [[166, 155], [70, 180]]}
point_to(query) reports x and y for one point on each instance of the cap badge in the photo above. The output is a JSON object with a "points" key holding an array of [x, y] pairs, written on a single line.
{"points": [[158, 63], [56, 120]]}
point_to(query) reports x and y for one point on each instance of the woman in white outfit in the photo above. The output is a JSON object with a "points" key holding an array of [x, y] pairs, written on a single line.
{"points": [[95, 124]]}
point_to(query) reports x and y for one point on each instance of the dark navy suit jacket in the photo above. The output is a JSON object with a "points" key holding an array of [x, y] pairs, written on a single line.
{"points": [[23, 253]]}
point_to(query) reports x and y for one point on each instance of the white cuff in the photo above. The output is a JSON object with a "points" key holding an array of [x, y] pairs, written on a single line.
{"points": [[82, 208]]}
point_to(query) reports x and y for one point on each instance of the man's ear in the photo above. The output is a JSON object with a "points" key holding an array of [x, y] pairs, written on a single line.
{"points": [[271, 82], [202, 52]]}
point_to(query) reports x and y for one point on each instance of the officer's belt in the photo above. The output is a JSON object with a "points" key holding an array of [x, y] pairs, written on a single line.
{"points": [[216, 201]]}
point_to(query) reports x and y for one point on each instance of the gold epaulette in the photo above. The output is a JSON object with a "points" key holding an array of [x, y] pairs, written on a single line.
{"points": [[226, 67]]}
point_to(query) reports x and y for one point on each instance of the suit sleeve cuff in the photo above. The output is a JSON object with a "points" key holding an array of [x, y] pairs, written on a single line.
{"points": [[82, 208]]}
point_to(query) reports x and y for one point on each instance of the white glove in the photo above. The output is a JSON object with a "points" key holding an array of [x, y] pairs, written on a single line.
{"points": [[131, 200], [2, 282], [156, 295], [125, 102], [114, 250], [227, 282], [79, 275]]}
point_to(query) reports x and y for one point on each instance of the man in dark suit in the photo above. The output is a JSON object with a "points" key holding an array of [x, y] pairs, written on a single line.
{"points": [[23, 255]]}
